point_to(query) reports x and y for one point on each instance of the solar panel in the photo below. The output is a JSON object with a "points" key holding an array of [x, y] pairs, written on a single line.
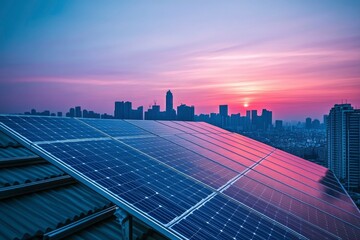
{"points": [[38, 129], [193, 180], [131, 176], [155, 127], [184, 160], [221, 218], [276, 195], [116, 127]]}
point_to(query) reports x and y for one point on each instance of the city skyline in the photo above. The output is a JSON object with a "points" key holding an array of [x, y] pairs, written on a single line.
{"points": [[57, 54]]}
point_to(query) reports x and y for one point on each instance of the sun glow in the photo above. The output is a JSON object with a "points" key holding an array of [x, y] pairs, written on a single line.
{"points": [[246, 104]]}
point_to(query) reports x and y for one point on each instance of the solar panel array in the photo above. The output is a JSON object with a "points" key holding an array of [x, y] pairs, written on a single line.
{"points": [[193, 180]]}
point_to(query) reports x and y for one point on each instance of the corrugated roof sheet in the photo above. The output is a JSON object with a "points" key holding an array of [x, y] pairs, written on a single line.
{"points": [[28, 173], [6, 141], [13, 152], [33, 214], [108, 229]]}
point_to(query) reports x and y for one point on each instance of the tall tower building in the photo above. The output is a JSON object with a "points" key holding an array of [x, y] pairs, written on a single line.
{"points": [[169, 101], [170, 112], [343, 137]]}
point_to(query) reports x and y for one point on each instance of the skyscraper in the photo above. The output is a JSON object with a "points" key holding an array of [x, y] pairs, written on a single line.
{"points": [[170, 112], [343, 138], [169, 101]]}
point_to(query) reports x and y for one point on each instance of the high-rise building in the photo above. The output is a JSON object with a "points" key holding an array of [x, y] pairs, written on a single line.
{"points": [[266, 119], [78, 113], [343, 137], [308, 123], [353, 149], [185, 113], [169, 101], [123, 110], [223, 110], [170, 112], [224, 115], [127, 110], [119, 110]]}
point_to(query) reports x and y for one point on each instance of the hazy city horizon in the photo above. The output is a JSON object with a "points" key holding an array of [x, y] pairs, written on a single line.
{"points": [[301, 116]]}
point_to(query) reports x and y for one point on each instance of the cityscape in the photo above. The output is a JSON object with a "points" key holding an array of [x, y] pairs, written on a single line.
{"points": [[311, 139], [181, 120]]}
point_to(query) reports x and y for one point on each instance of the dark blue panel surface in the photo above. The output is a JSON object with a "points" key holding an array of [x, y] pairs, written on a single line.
{"points": [[184, 160], [49, 128], [245, 161], [153, 188], [208, 153], [115, 127], [155, 127], [221, 218]]}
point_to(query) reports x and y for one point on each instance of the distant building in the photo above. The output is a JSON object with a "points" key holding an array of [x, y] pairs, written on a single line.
{"points": [[278, 124], [223, 110], [266, 119], [308, 123], [254, 119], [78, 112], [119, 110], [154, 113], [185, 113], [170, 112], [123, 110], [224, 115], [71, 113], [315, 124], [343, 139]]}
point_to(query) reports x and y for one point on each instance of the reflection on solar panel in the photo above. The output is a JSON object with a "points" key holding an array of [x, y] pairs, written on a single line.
{"points": [[193, 180]]}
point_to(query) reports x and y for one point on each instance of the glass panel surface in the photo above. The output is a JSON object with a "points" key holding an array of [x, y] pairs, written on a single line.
{"points": [[224, 152], [221, 218], [155, 127], [184, 160], [254, 155], [116, 127], [155, 189], [38, 129], [247, 189], [236, 166]]}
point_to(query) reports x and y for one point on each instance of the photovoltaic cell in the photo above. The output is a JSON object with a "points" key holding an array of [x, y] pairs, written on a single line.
{"points": [[221, 218], [49, 128], [116, 127], [153, 188], [184, 160]]}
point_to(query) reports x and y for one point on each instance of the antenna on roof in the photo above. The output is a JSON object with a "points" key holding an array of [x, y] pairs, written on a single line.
{"points": [[154, 102]]}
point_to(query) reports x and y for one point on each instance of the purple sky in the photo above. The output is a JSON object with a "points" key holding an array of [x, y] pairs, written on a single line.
{"points": [[294, 58]]}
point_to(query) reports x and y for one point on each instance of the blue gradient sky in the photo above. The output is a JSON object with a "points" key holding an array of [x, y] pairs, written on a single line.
{"points": [[296, 58]]}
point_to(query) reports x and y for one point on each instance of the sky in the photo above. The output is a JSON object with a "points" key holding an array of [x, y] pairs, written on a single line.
{"points": [[296, 58]]}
